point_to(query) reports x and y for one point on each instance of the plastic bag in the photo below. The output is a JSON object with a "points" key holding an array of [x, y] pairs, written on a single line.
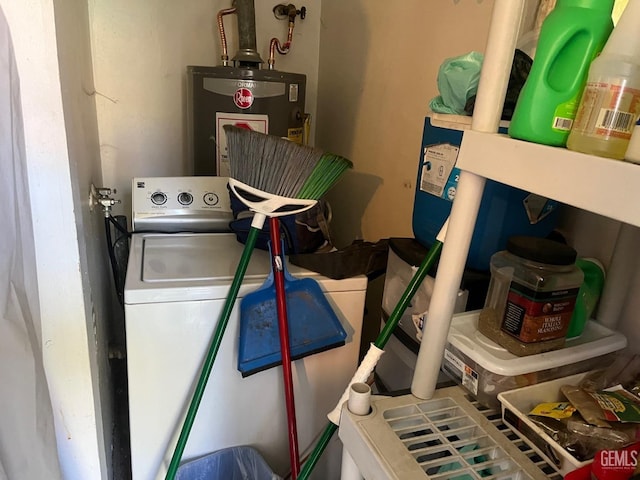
{"points": [[519, 72], [458, 79], [235, 463], [304, 232]]}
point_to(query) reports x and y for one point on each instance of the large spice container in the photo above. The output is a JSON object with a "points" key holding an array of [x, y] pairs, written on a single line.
{"points": [[532, 295]]}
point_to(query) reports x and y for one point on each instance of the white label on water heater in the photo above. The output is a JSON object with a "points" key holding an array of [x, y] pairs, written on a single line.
{"points": [[293, 92], [251, 121]]}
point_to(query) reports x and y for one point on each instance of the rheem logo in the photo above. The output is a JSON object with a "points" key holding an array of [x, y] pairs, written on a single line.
{"points": [[243, 98]]}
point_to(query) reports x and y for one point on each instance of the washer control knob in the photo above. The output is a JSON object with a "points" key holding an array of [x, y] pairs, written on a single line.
{"points": [[211, 199], [185, 198], [158, 198]]}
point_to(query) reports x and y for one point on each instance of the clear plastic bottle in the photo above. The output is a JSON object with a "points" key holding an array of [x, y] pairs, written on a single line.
{"points": [[610, 104], [532, 294]]}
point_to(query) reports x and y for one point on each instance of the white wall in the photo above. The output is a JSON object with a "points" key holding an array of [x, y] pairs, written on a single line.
{"points": [[100, 316], [60, 141], [378, 67], [141, 50]]}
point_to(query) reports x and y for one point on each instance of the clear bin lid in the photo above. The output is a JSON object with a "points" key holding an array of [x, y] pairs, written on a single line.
{"points": [[596, 340]]}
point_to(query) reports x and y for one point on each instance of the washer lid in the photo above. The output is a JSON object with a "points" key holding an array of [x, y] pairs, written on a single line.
{"points": [[185, 258], [179, 267]]}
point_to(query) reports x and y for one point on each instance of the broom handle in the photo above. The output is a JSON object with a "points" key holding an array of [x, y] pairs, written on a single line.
{"points": [[381, 341], [256, 226], [283, 328]]}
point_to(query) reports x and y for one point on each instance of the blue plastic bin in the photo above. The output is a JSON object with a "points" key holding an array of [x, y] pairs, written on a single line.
{"points": [[503, 210], [235, 463]]}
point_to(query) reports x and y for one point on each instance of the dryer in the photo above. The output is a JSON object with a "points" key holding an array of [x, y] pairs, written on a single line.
{"points": [[175, 288]]}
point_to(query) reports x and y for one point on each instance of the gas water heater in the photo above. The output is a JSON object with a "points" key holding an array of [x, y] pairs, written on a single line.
{"points": [[241, 93]]}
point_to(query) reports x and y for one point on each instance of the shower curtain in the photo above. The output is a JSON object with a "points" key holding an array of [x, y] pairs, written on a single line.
{"points": [[27, 438]]}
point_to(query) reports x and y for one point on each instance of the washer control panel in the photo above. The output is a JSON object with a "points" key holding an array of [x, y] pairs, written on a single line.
{"points": [[181, 204]]}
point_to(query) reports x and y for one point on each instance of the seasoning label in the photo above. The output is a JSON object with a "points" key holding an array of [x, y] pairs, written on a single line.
{"points": [[532, 316], [618, 404]]}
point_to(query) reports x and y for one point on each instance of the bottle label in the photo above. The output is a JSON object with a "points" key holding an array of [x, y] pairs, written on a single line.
{"points": [[608, 110], [564, 115], [532, 316]]}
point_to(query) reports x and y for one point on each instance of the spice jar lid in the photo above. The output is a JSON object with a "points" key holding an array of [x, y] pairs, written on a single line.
{"points": [[541, 250]]}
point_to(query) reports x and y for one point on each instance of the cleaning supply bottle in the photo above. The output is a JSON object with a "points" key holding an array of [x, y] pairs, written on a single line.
{"points": [[571, 36], [610, 104], [588, 295]]}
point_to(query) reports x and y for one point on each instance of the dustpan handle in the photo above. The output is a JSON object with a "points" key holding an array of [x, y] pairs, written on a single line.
{"points": [[269, 204]]}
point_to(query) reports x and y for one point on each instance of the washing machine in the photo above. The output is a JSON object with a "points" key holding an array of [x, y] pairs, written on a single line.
{"points": [[175, 288]]}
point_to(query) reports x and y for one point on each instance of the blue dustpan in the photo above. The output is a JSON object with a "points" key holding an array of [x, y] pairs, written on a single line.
{"points": [[313, 325]]}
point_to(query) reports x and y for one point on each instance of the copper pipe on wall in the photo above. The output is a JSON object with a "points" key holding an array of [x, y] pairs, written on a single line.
{"points": [[275, 44], [223, 38]]}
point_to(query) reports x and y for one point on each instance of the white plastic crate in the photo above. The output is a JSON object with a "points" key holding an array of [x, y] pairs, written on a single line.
{"points": [[446, 437], [516, 404]]}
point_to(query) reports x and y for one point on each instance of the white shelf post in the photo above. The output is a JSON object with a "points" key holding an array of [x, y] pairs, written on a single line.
{"points": [[494, 78]]}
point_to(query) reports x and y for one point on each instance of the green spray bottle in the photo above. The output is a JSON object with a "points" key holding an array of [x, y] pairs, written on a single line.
{"points": [[572, 35]]}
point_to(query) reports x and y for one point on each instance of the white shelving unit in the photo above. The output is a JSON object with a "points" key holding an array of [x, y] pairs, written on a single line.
{"points": [[603, 186], [600, 185]]}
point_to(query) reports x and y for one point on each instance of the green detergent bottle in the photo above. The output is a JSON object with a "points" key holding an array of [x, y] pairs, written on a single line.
{"points": [[572, 35]]}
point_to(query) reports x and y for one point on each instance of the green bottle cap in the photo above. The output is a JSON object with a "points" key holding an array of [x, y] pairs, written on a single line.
{"points": [[601, 5]]}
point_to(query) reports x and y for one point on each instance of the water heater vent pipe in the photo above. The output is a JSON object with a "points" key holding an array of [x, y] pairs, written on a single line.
{"points": [[247, 55]]}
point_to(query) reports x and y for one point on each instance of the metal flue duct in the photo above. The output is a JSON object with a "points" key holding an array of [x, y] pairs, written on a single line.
{"points": [[247, 55]]}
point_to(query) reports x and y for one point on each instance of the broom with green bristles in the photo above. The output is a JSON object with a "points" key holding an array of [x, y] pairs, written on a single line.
{"points": [[273, 177]]}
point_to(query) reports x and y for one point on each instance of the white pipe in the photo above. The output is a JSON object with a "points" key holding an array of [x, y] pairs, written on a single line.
{"points": [[492, 88], [447, 284], [496, 67], [349, 469], [618, 278], [359, 403], [362, 374]]}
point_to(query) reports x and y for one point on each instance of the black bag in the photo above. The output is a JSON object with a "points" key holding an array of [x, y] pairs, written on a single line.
{"points": [[304, 232]]}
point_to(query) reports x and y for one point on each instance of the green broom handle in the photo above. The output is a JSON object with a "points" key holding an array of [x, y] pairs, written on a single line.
{"points": [[213, 352], [381, 341], [410, 291]]}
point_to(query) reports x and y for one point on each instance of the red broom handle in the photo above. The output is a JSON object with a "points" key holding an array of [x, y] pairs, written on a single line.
{"points": [[277, 258]]}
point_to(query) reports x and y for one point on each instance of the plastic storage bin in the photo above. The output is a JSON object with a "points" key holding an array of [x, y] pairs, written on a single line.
{"points": [[235, 463], [395, 368], [516, 404], [485, 369]]}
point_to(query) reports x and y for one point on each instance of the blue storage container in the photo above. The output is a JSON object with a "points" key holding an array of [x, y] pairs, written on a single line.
{"points": [[504, 210]]}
